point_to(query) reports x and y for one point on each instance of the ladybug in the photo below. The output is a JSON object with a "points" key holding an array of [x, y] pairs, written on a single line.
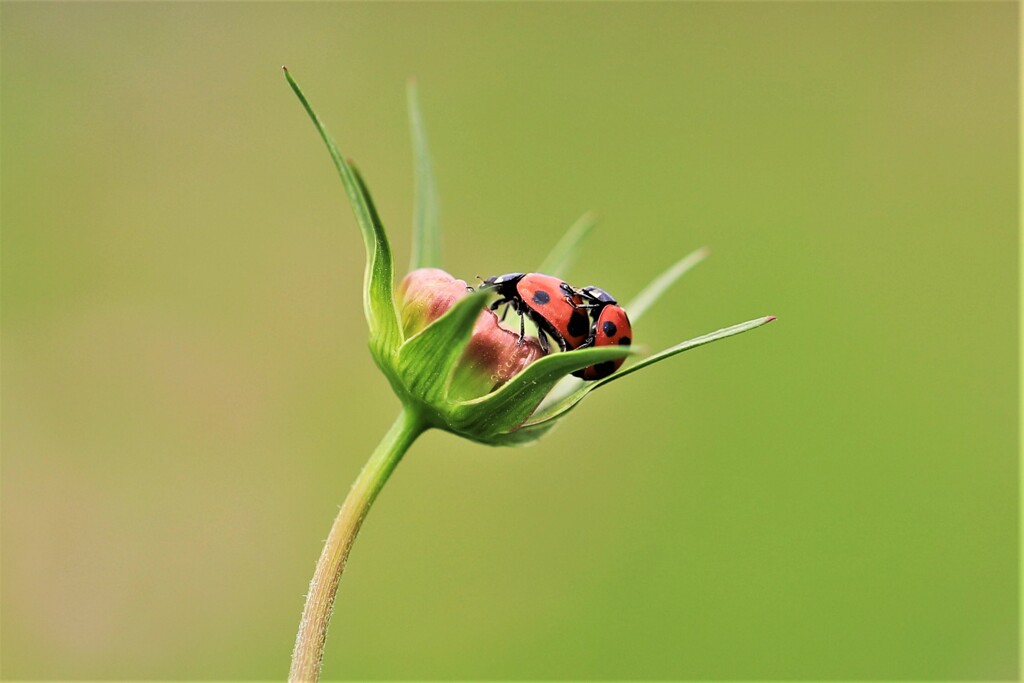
{"points": [[553, 305], [611, 326]]}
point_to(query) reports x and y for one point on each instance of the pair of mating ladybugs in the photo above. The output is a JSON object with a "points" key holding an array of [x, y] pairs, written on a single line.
{"points": [[560, 311]]}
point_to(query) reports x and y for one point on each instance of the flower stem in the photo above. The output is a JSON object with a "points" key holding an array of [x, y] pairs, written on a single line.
{"points": [[309, 643]]}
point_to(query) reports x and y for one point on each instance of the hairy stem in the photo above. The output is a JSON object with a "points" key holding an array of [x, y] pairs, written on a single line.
{"points": [[309, 643]]}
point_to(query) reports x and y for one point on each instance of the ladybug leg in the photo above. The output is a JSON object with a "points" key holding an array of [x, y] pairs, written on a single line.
{"points": [[543, 339], [588, 342], [504, 313], [494, 306], [522, 328], [570, 293], [585, 307]]}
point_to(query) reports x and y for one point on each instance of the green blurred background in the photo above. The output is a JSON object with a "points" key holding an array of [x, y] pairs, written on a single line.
{"points": [[187, 392]]}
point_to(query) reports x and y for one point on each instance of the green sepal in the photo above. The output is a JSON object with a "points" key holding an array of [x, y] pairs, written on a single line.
{"points": [[563, 405], [426, 225], [659, 285], [564, 253], [426, 360], [379, 283], [526, 435], [379, 278], [508, 407], [687, 345]]}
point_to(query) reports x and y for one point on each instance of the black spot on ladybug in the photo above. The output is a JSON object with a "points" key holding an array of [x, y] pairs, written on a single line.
{"points": [[625, 341], [540, 297], [577, 326], [609, 328], [604, 369]]}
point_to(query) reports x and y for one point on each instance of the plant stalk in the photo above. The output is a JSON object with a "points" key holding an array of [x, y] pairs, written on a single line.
{"points": [[307, 657]]}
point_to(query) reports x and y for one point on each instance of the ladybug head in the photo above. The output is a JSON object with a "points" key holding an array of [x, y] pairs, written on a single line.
{"points": [[497, 280], [599, 295]]}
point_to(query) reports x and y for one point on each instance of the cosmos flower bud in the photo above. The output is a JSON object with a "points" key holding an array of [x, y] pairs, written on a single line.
{"points": [[494, 353], [454, 364], [447, 357]]}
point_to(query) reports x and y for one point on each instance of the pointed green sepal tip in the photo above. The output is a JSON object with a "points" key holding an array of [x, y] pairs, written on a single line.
{"points": [[426, 224], [378, 282], [557, 406]]}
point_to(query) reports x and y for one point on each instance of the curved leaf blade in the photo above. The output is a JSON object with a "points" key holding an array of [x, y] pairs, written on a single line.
{"points": [[569, 401], [563, 254], [508, 407], [524, 436], [378, 282], [560, 404], [686, 346], [652, 292], [426, 226]]}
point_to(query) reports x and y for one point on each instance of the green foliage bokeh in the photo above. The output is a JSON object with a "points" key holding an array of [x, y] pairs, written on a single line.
{"points": [[187, 392]]}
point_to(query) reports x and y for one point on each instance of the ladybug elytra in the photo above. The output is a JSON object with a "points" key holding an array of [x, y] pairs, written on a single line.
{"points": [[560, 311], [611, 327], [552, 304]]}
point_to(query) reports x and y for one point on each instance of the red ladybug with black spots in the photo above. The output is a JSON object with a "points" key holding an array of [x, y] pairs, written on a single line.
{"points": [[553, 305], [611, 327]]}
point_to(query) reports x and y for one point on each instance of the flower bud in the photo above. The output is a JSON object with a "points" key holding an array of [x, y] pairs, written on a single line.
{"points": [[453, 365], [494, 353]]}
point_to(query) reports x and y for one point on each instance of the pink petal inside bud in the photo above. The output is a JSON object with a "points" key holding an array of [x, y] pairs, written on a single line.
{"points": [[494, 354], [497, 352], [424, 295]]}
